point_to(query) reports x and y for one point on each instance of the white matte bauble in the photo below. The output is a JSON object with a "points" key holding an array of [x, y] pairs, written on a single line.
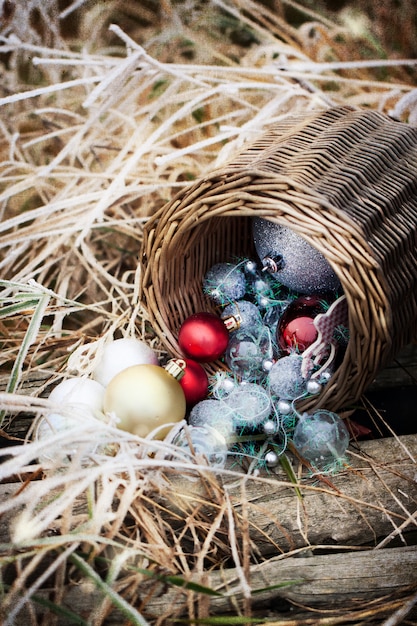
{"points": [[291, 259], [145, 398], [79, 396], [77, 390], [76, 401], [121, 354]]}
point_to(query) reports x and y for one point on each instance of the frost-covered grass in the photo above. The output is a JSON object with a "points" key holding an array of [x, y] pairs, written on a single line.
{"points": [[98, 130]]}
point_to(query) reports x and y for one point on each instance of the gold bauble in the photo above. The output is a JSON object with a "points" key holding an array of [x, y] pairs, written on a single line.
{"points": [[145, 397]]}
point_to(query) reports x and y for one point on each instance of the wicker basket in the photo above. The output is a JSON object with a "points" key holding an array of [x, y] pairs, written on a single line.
{"points": [[346, 181]]}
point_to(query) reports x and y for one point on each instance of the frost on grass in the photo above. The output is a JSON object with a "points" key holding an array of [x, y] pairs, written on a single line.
{"points": [[97, 133]]}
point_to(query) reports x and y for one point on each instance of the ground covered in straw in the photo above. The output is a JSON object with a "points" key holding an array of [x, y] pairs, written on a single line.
{"points": [[107, 109]]}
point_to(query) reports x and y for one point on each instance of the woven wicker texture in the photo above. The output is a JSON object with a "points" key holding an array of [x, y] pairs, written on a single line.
{"points": [[346, 181]]}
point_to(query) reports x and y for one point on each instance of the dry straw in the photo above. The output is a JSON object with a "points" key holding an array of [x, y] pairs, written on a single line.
{"points": [[98, 132]]}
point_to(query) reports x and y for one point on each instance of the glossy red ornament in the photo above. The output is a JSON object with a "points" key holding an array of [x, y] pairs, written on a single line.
{"points": [[299, 334], [296, 330], [203, 337], [194, 383]]}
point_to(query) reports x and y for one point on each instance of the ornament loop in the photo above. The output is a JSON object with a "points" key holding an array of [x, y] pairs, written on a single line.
{"points": [[273, 263]]}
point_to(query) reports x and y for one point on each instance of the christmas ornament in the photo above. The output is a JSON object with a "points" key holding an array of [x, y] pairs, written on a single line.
{"points": [[246, 312], [120, 354], [291, 259], [332, 334], [146, 397], [313, 387], [213, 413], [80, 395], [250, 405], [284, 407], [203, 337], [224, 282], [250, 267], [248, 351], [296, 330], [285, 379], [299, 334], [321, 438], [194, 383], [203, 441], [264, 289]]}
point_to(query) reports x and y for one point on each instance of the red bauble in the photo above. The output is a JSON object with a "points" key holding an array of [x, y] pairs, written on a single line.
{"points": [[203, 337], [299, 334], [194, 383], [296, 330]]}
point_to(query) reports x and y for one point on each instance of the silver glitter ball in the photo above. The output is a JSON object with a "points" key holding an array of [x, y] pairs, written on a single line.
{"points": [[303, 267]]}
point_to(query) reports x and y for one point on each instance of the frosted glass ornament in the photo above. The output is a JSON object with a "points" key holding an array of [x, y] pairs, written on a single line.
{"points": [[224, 283], [285, 379], [121, 354], [250, 405], [213, 413], [322, 438], [249, 314], [205, 441], [247, 352], [299, 265]]}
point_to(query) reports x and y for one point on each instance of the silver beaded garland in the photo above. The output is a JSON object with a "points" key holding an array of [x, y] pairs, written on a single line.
{"points": [[271, 459], [270, 428], [313, 387], [284, 407]]}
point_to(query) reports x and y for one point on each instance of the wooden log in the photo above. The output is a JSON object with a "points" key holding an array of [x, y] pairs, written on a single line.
{"points": [[375, 495], [365, 502], [347, 582]]}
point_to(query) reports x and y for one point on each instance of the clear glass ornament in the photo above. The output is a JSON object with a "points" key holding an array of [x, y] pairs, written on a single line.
{"points": [[224, 283], [264, 289], [247, 351], [204, 441], [322, 438], [250, 404]]}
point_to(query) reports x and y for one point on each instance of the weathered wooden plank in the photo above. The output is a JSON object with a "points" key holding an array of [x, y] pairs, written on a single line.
{"points": [[350, 581], [377, 491]]}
